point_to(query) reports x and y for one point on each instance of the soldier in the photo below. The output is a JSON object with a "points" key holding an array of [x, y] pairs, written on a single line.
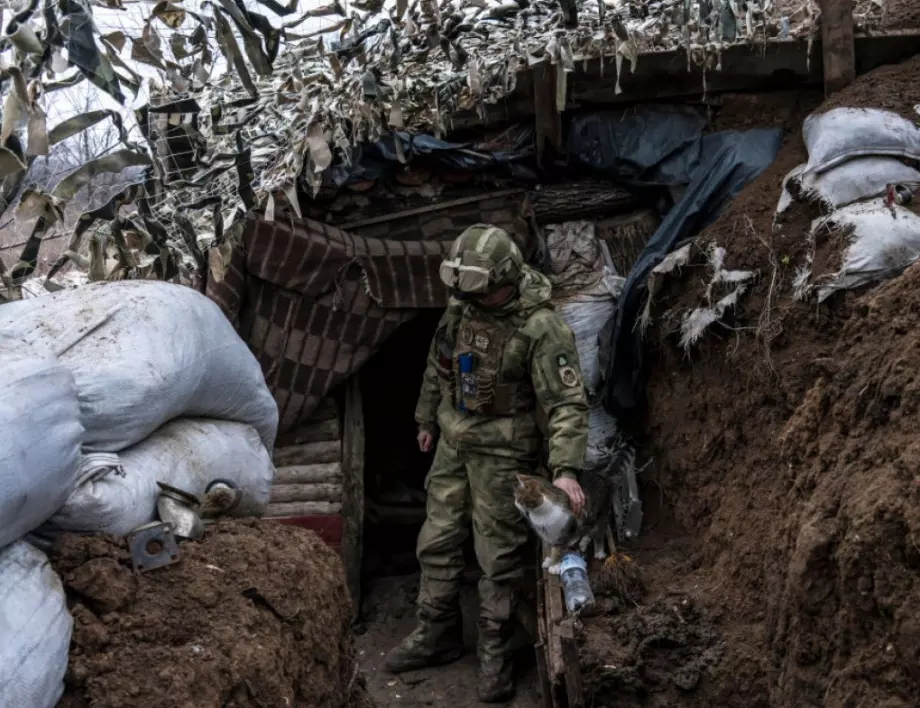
{"points": [[502, 374]]}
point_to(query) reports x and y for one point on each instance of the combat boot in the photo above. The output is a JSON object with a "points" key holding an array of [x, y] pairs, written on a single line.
{"points": [[496, 669], [429, 644]]}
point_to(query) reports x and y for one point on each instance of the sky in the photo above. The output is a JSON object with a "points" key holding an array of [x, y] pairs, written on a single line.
{"points": [[68, 102]]}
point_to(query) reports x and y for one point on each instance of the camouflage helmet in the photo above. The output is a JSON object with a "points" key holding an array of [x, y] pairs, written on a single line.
{"points": [[482, 259]]}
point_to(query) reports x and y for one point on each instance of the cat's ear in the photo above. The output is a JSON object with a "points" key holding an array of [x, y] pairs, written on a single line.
{"points": [[521, 479]]}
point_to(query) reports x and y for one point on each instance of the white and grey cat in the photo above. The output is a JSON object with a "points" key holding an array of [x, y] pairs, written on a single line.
{"points": [[547, 509]]}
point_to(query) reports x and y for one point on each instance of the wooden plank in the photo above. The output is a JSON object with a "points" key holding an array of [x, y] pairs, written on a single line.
{"points": [[301, 509], [571, 665], [323, 431], [428, 209], [309, 474], [546, 688], [353, 492], [547, 120], [838, 47], [776, 65], [308, 454], [555, 614], [282, 493]]}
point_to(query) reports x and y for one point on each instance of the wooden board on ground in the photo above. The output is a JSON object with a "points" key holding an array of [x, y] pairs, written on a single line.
{"points": [[562, 664]]}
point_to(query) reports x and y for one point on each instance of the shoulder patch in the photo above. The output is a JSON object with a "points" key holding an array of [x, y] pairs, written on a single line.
{"points": [[568, 376]]}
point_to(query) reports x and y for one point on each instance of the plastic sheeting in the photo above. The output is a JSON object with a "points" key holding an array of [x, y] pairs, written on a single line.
{"points": [[380, 160], [715, 167]]}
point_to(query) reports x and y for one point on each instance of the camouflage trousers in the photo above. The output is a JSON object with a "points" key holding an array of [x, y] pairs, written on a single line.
{"points": [[471, 490]]}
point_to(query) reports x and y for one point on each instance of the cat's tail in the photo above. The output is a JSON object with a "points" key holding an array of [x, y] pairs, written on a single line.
{"points": [[623, 460], [624, 488]]}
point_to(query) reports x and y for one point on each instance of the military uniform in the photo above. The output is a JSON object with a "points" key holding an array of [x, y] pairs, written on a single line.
{"points": [[498, 381]]}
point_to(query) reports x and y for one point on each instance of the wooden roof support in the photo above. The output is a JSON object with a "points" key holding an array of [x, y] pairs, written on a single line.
{"points": [[661, 76], [838, 44], [353, 491], [547, 119]]}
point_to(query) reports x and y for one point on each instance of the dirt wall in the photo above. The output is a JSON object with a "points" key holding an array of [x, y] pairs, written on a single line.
{"points": [[785, 457]]}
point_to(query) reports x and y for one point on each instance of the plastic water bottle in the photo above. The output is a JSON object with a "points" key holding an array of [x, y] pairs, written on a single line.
{"points": [[573, 573]]}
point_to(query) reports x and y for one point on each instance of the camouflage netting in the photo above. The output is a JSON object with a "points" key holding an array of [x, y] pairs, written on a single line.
{"points": [[247, 101]]}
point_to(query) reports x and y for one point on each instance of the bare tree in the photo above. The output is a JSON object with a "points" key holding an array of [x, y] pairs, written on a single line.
{"points": [[77, 150]]}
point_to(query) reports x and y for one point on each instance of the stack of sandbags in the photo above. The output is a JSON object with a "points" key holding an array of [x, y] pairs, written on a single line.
{"points": [[856, 156], [585, 294], [143, 353], [40, 435], [107, 390]]}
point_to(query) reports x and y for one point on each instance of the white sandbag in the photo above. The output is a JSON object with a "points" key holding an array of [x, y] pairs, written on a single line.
{"points": [[858, 179], [119, 492], [842, 134], [883, 242], [35, 629], [143, 353], [40, 436], [586, 313]]}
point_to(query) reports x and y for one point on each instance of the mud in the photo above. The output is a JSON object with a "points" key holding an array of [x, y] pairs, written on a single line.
{"points": [[784, 455], [389, 615], [255, 614]]}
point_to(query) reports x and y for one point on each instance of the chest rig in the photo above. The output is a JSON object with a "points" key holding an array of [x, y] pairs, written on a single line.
{"points": [[483, 363]]}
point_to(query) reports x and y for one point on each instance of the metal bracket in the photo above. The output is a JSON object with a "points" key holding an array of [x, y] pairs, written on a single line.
{"points": [[152, 546]]}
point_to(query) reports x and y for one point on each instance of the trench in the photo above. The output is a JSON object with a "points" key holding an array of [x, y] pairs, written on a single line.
{"points": [[394, 482]]}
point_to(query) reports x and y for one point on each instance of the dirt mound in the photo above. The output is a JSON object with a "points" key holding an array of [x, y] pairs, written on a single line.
{"points": [[892, 88], [649, 657], [254, 614], [785, 444]]}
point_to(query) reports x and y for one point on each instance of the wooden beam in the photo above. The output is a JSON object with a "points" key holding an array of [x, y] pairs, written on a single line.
{"points": [[353, 491], [838, 47], [307, 454], [663, 76], [547, 119], [571, 665], [540, 645], [349, 225], [302, 509], [322, 473], [307, 492]]}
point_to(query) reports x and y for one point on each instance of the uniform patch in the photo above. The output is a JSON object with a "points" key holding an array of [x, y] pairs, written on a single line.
{"points": [[467, 335], [561, 361], [568, 376], [481, 341]]}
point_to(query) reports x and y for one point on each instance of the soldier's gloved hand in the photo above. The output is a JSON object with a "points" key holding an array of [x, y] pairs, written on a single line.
{"points": [[573, 489], [424, 440]]}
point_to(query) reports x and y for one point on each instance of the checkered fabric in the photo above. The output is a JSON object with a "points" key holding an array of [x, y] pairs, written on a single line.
{"points": [[314, 302]]}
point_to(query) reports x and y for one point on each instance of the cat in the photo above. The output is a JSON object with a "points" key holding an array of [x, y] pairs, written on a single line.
{"points": [[547, 510]]}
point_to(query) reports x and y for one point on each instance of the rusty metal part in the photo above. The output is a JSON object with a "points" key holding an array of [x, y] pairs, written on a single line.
{"points": [[180, 510], [152, 546]]}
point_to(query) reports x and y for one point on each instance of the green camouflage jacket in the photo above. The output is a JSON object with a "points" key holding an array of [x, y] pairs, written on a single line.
{"points": [[540, 355]]}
